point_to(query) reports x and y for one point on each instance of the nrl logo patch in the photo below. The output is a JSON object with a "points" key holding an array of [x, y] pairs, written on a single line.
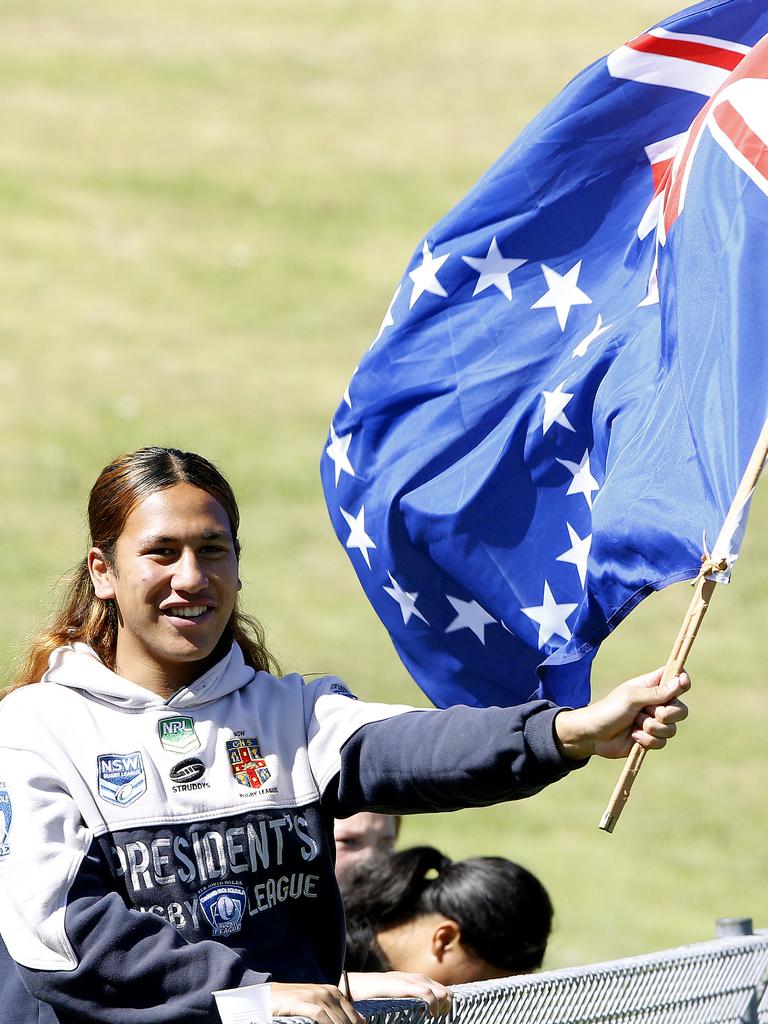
{"points": [[177, 734], [122, 779], [248, 766], [223, 906], [5, 820]]}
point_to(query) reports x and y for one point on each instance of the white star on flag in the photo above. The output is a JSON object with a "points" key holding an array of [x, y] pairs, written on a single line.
{"points": [[562, 293], [597, 330], [337, 451], [494, 270], [389, 320], [551, 617], [554, 403], [425, 277], [406, 601], [578, 553], [358, 538], [583, 482], [347, 399], [469, 615]]}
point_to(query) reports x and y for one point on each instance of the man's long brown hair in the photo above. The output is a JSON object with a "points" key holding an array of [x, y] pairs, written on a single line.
{"points": [[120, 487]]}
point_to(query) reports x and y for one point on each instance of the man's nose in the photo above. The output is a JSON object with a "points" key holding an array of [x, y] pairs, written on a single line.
{"points": [[189, 573]]}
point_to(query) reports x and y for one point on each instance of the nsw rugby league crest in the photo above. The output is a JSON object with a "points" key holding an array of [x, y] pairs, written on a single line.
{"points": [[248, 766], [122, 778]]}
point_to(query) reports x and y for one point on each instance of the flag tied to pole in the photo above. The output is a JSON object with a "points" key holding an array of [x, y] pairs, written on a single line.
{"points": [[568, 382]]}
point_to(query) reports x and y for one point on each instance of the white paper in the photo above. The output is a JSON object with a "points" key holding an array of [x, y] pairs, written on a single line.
{"points": [[730, 540], [249, 1005]]}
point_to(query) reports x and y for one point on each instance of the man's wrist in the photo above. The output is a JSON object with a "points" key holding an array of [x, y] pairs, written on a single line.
{"points": [[570, 735]]}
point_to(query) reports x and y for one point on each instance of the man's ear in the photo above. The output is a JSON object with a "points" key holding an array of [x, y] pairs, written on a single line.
{"points": [[101, 574], [445, 938]]}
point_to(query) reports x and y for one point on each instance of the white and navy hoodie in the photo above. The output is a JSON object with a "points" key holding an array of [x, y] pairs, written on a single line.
{"points": [[153, 851]]}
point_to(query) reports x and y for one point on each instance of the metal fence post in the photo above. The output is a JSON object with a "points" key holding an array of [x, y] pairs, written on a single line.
{"points": [[725, 927]]}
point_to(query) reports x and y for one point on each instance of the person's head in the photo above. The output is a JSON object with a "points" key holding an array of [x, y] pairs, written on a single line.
{"points": [[471, 920], [156, 594], [361, 836]]}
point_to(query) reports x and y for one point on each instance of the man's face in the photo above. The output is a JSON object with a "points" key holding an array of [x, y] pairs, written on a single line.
{"points": [[360, 837], [174, 581]]}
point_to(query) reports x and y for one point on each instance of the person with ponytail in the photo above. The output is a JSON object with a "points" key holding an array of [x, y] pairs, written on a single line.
{"points": [[167, 798], [457, 922]]}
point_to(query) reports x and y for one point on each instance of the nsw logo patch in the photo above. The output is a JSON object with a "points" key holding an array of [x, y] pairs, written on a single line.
{"points": [[248, 766], [5, 820], [122, 779], [177, 734], [223, 906]]}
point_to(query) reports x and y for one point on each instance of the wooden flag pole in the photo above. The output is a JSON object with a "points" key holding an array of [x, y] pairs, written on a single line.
{"points": [[697, 609]]}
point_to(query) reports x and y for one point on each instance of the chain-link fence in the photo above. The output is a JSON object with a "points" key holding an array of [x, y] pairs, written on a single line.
{"points": [[718, 982]]}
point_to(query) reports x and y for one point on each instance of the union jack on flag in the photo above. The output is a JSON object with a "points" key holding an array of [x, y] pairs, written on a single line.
{"points": [[572, 373]]}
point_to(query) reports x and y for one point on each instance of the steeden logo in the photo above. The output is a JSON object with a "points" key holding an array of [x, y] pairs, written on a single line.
{"points": [[191, 769]]}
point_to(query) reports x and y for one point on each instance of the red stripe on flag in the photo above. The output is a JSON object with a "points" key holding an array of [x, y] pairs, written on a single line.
{"points": [[674, 183], [659, 170], [700, 53], [750, 145]]}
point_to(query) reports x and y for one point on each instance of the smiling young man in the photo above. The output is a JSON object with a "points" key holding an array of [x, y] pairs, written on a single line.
{"points": [[173, 576], [167, 799]]}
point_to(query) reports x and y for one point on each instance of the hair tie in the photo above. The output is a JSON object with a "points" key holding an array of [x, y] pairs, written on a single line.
{"points": [[434, 872]]}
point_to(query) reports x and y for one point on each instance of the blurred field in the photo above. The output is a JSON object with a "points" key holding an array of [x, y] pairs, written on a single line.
{"points": [[206, 205]]}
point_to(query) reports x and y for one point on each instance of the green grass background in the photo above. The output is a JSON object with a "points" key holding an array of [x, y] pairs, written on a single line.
{"points": [[206, 206]]}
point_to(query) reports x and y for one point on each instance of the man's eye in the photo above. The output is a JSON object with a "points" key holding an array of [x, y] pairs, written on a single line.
{"points": [[161, 552], [348, 844]]}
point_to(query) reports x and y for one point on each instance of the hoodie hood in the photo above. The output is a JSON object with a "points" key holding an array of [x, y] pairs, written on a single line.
{"points": [[79, 667]]}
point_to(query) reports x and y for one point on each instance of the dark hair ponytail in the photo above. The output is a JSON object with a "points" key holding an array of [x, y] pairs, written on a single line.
{"points": [[503, 911]]}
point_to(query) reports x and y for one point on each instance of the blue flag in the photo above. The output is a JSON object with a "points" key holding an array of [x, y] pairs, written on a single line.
{"points": [[572, 373]]}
